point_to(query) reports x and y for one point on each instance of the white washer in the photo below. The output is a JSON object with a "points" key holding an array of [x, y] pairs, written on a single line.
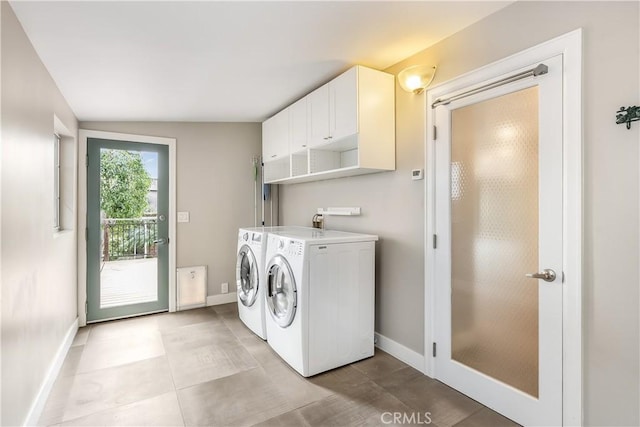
{"points": [[320, 296], [250, 276]]}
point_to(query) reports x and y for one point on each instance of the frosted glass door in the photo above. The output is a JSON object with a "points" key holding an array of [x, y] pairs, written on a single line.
{"points": [[498, 217], [494, 238]]}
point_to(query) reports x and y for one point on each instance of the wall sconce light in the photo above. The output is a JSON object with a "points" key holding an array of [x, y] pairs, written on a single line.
{"points": [[416, 78]]}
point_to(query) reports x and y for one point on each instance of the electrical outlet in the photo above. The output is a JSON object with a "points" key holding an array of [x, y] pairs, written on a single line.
{"points": [[225, 288]]}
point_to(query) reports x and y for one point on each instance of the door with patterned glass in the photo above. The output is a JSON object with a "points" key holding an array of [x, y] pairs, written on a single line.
{"points": [[498, 262]]}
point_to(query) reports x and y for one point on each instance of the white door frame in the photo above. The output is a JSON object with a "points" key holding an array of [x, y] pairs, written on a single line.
{"points": [[84, 135], [570, 46]]}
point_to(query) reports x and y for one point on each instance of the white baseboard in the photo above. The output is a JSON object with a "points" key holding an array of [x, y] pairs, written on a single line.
{"points": [[400, 352], [54, 369], [221, 299]]}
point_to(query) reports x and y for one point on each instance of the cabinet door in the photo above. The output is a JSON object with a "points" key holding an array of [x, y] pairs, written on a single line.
{"points": [[318, 119], [298, 126], [275, 136], [343, 97]]}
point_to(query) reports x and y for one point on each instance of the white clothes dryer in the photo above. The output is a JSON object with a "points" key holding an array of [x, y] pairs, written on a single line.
{"points": [[320, 296], [250, 275]]}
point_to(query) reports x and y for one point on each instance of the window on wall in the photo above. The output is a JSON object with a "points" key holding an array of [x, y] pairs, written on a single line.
{"points": [[64, 169], [56, 182]]}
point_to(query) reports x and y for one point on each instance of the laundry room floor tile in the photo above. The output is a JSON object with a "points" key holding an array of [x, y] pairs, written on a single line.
{"points": [[58, 401], [380, 365], [241, 399], [235, 325], [288, 419], [204, 367], [81, 336], [198, 335], [168, 321], [120, 350], [72, 361], [337, 379], [259, 349], [361, 404], [162, 410], [108, 388], [297, 390], [486, 417], [123, 327], [226, 308], [207, 363], [423, 394]]}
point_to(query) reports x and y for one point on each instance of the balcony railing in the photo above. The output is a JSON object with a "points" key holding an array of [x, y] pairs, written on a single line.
{"points": [[129, 238]]}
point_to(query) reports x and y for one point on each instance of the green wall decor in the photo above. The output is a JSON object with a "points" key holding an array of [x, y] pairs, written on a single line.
{"points": [[628, 115]]}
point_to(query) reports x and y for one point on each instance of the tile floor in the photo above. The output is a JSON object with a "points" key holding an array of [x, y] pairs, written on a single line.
{"points": [[205, 368]]}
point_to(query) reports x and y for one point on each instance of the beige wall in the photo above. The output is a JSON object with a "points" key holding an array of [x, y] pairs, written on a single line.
{"points": [[38, 276], [214, 183], [392, 204]]}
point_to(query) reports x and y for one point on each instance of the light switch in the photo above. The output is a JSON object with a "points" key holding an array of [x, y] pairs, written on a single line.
{"points": [[183, 216]]}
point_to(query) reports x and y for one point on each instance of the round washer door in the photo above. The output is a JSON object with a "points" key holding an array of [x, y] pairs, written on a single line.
{"points": [[282, 296], [247, 279]]}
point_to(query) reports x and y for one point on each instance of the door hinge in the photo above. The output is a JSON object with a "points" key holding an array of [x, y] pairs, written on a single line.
{"points": [[435, 133], [434, 349], [86, 161], [435, 241], [86, 234], [86, 307]]}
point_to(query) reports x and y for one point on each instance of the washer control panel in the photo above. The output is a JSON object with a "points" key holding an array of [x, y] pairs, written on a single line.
{"points": [[286, 246], [294, 248]]}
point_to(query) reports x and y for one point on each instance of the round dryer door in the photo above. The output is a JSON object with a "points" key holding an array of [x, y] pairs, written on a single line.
{"points": [[282, 296], [247, 279]]}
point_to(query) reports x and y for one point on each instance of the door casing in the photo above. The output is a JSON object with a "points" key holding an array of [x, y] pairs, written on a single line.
{"points": [[570, 47], [84, 135]]}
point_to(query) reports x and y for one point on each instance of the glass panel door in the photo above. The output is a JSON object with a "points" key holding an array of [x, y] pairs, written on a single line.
{"points": [[127, 221], [498, 217], [494, 238]]}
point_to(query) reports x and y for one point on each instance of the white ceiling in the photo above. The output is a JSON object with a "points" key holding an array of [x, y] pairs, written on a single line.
{"points": [[223, 61]]}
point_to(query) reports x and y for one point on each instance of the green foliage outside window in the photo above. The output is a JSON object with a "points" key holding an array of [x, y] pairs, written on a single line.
{"points": [[124, 184]]}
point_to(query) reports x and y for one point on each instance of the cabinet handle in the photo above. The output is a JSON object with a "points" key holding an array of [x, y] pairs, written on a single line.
{"points": [[273, 156], [330, 137], [304, 145]]}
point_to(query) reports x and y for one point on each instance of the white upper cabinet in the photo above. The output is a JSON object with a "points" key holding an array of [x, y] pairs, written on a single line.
{"points": [[333, 109], [343, 105], [298, 125], [345, 127], [318, 117], [275, 136]]}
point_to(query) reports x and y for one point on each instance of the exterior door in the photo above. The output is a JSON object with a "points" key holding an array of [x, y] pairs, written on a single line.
{"points": [[127, 229], [248, 278], [282, 295], [498, 262]]}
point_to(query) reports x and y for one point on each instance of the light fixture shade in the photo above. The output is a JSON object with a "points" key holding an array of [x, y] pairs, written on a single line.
{"points": [[416, 78]]}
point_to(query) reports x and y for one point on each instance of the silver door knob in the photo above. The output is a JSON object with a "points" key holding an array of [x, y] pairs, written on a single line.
{"points": [[547, 275], [160, 242]]}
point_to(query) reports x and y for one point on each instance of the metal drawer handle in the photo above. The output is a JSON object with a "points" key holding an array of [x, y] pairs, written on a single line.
{"points": [[547, 275]]}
